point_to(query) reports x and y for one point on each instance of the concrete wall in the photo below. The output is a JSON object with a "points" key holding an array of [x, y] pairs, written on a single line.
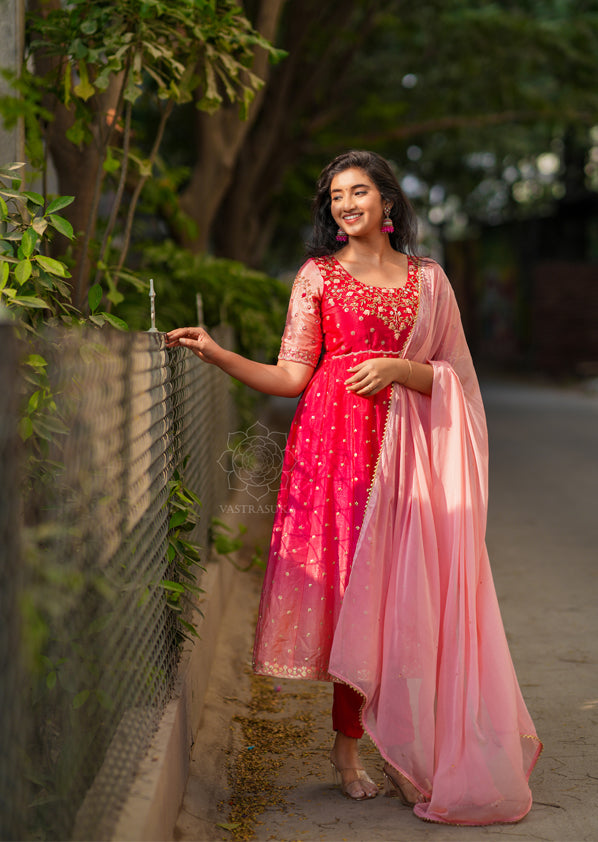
{"points": [[12, 24]]}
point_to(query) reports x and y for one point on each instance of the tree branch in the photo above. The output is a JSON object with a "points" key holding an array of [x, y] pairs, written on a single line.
{"points": [[119, 191], [140, 184]]}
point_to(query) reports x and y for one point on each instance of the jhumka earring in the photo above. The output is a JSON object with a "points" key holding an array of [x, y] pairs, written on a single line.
{"points": [[387, 224], [342, 237]]}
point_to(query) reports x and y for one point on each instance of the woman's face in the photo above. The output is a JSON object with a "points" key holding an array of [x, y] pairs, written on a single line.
{"points": [[356, 203]]}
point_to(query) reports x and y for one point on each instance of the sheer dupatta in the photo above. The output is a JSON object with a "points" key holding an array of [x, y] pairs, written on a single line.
{"points": [[420, 633]]}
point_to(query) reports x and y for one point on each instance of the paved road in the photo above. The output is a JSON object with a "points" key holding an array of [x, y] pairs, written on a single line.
{"points": [[266, 741]]}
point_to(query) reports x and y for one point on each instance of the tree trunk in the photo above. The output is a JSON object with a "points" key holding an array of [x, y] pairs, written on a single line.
{"points": [[77, 168], [77, 171], [220, 137], [292, 113]]}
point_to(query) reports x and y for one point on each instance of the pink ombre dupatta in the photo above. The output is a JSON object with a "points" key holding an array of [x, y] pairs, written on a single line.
{"points": [[420, 632]]}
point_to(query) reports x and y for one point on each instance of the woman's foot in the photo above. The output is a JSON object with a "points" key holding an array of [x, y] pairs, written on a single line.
{"points": [[396, 784], [354, 781]]}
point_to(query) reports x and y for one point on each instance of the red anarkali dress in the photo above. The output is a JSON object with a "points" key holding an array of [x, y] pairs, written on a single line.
{"points": [[331, 453], [378, 574]]}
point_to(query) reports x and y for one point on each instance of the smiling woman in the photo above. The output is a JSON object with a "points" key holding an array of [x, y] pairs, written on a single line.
{"points": [[378, 577], [356, 207], [361, 212], [373, 175]]}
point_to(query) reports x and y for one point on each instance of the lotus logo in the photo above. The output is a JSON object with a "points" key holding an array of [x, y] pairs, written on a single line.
{"points": [[253, 460]]}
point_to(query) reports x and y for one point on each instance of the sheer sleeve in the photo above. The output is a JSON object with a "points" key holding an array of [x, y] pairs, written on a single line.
{"points": [[302, 337]]}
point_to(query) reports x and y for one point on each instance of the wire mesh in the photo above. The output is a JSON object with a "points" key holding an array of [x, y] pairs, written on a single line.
{"points": [[99, 634]]}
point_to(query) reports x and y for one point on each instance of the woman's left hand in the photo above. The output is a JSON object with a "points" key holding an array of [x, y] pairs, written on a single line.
{"points": [[371, 376]]}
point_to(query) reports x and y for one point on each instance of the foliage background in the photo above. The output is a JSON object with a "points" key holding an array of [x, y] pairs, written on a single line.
{"points": [[487, 110]]}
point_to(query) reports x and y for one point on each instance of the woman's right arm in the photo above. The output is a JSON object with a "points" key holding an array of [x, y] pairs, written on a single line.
{"points": [[287, 378]]}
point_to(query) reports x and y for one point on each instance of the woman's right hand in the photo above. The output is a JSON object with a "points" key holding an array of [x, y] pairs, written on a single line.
{"points": [[286, 378], [197, 339]]}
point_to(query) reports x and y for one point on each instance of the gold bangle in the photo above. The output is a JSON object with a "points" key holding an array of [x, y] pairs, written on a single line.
{"points": [[409, 373]]}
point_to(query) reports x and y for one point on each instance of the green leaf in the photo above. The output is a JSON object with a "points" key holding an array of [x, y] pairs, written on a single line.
{"points": [[80, 699], [13, 236], [3, 274], [51, 679], [35, 361], [12, 194], [62, 225], [177, 519], [79, 47], [8, 169], [143, 164], [114, 321], [110, 164], [54, 267], [190, 628], [39, 225], [174, 587], [76, 133], [30, 301], [28, 242], [94, 297], [23, 271], [84, 90], [132, 90], [88, 27], [33, 197], [25, 428], [48, 425], [115, 296], [3, 209], [59, 203], [33, 402]]}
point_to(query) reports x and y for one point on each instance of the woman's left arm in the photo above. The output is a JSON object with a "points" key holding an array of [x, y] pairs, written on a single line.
{"points": [[371, 376]]}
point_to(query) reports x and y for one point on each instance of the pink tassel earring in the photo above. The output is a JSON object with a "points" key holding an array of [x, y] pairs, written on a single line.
{"points": [[341, 236], [387, 224]]}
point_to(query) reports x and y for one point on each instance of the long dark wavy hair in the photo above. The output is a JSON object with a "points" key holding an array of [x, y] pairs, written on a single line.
{"points": [[323, 240]]}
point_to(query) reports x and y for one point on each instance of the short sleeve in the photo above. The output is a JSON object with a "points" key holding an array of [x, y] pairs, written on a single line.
{"points": [[302, 337]]}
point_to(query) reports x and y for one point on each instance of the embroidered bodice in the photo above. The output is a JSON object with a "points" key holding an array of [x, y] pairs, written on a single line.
{"points": [[330, 307]]}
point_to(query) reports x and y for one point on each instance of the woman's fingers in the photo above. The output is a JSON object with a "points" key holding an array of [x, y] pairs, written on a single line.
{"points": [[359, 372], [369, 377], [196, 339], [364, 383], [174, 337], [362, 375]]}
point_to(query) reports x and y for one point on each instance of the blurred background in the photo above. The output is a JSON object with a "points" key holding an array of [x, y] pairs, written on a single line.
{"points": [[487, 111]]}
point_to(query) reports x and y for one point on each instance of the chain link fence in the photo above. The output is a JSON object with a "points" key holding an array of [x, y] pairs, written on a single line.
{"points": [[88, 649]]}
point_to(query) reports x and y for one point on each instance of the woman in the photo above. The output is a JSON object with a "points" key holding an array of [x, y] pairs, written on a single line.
{"points": [[378, 577]]}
